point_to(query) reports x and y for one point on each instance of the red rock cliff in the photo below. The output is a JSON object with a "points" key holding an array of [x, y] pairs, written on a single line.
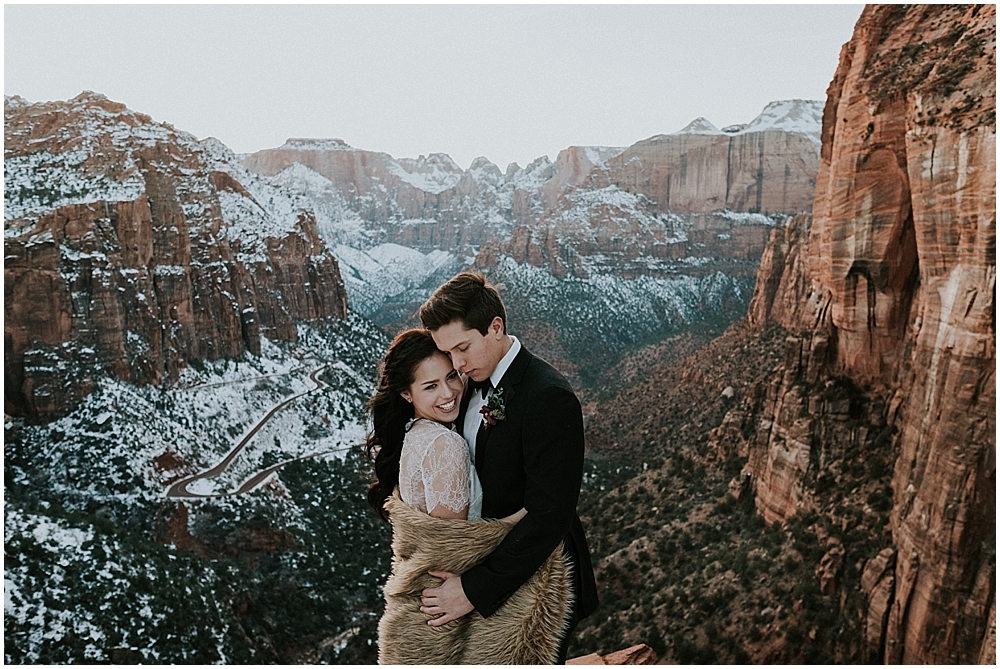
{"points": [[893, 286], [762, 167], [131, 248]]}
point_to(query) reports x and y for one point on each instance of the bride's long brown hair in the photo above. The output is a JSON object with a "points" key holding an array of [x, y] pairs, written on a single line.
{"points": [[390, 412]]}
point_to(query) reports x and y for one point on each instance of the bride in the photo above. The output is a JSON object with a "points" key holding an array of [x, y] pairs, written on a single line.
{"points": [[413, 410], [426, 483]]}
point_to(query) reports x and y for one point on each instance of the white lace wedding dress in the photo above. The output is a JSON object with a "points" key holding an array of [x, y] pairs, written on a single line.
{"points": [[435, 468]]}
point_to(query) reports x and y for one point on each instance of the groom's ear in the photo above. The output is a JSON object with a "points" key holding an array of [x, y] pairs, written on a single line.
{"points": [[497, 327]]}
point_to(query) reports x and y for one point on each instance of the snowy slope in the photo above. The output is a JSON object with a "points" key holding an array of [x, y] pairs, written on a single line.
{"points": [[98, 151], [434, 174], [387, 271], [803, 117], [699, 126], [88, 576]]}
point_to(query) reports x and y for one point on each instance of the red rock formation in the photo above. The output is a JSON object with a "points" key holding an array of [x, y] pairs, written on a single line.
{"points": [[132, 248], [426, 203], [572, 167], [654, 201], [639, 654], [770, 170], [899, 275]]}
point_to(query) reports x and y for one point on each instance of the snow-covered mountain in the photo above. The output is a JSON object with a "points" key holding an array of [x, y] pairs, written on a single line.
{"points": [[177, 331], [132, 248], [594, 211], [370, 207], [101, 566]]}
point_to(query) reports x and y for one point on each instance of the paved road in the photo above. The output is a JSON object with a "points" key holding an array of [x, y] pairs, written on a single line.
{"points": [[180, 488]]}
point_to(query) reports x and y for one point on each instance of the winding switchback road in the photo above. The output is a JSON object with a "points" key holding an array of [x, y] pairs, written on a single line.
{"points": [[179, 489]]}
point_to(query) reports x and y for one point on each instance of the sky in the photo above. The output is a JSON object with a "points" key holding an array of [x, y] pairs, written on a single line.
{"points": [[509, 82]]}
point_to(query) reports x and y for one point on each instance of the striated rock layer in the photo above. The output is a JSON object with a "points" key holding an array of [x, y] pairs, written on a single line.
{"points": [[701, 169], [132, 248], [430, 203], [697, 193], [896, 277]]}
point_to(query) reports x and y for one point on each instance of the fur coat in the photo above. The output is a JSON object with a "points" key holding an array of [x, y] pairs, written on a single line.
{"points": [[525, 630]]}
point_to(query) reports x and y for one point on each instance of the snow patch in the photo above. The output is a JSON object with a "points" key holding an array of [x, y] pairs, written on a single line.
{"points": [[804, 117], [699, 126], [434, 174]]}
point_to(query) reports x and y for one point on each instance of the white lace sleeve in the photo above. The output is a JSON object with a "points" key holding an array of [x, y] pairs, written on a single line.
{"points": [[445, 473]]}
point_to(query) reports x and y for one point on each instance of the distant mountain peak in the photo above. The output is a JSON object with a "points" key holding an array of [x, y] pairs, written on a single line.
{"points": [[699, 126], [800, 116]]}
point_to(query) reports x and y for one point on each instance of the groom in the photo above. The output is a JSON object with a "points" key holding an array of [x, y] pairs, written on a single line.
{"points": [[525, 430]]}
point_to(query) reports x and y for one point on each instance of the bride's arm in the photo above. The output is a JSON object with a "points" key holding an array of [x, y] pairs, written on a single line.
{"points": [[441, 511], [445, 473]]}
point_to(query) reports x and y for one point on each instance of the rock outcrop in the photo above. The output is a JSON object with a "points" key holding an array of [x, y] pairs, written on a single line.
{"points": [[768, 165], [132, 248], [429, 203], [696, 193], [893, 287]]}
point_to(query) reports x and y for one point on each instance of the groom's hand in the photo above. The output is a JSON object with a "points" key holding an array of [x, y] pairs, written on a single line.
{"points": [[448, 599]]}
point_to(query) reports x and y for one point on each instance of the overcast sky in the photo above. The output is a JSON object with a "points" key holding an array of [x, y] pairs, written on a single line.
{"points": [[510, 82]]}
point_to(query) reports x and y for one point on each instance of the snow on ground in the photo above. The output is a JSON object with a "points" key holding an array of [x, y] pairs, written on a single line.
{"points": [[266, 210], [531, 177], [803, 117], [336, 221], [300, 144], [630, 210], [598, 155], [41, 182], [745, 217], [77, 586], [385, 271], [99, 163], [484, 171], [608, 310], [104, 452]]}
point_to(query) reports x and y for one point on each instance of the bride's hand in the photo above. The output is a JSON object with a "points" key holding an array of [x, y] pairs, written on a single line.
{"points": [[515, 517]]}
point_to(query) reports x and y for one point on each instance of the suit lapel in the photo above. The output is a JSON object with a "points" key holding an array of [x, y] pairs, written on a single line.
{"points": [[508, 383]]}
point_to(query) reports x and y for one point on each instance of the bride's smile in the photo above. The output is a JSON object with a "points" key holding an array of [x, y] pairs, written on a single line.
{"points": [[436, 390]]}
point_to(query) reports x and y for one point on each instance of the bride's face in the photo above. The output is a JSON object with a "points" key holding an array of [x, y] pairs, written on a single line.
{"points": [[472, 353], [436, 390]]}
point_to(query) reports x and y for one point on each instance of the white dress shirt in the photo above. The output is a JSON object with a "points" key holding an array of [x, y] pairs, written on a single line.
{"points": [[470, 428]]}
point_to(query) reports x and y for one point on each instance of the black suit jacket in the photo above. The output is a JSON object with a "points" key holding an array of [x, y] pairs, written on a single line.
{"points": [[532, 459]]}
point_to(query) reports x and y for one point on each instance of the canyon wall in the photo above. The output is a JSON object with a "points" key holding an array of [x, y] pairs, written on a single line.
{"points": [[700, 193], [429, 203], [891, 287], [770, 171], [131, 249]]}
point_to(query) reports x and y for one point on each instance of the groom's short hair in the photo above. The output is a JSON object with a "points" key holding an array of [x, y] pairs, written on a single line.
{"points": [[466, 297]]}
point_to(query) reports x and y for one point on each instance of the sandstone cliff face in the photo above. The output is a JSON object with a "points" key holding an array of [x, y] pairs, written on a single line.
{"points": [[611, 230], [697, 193], [897, 277], [430, 203], [132, 248], [758, 168]]}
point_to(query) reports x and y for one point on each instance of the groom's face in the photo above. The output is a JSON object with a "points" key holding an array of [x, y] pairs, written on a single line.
{"points": [[472, 353]]}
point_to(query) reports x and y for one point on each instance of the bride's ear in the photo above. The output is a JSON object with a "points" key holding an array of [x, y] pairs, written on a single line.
{"points": [[406, 396]]}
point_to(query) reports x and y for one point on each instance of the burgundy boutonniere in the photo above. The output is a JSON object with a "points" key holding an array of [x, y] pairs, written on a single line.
{"points": [[495, 409]]}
